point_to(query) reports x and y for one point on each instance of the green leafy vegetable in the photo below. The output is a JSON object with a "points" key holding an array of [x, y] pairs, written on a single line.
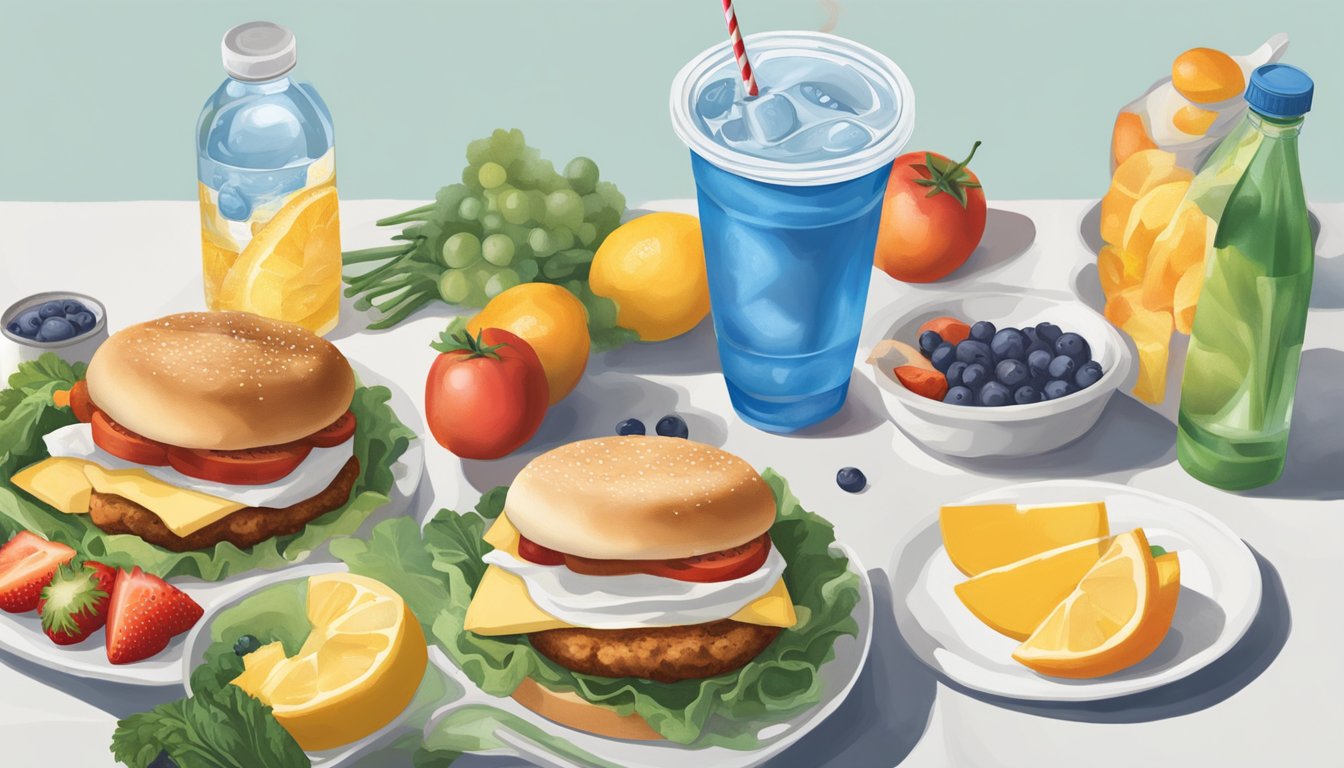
{"points": [[784, 679], [222, 728], [513, 219], [27, 414]]}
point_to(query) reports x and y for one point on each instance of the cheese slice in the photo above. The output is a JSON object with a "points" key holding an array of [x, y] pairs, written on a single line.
{"points": [[183, 511], [502, 606], [59, 483]]}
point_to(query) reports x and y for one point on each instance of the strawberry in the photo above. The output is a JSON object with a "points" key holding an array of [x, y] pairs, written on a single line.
{"points": [[27, 564], [74, 604], [146, 612]]}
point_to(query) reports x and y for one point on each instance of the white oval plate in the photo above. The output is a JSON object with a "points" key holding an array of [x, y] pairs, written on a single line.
{"points": [[838, 678], [1220, 595], [22, 635]]}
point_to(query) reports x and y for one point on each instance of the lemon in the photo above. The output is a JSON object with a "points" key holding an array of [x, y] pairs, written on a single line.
{"points": [[653, 267], [218, 249], [291, 270], [358, 669], [549, 318], [979, 537], [1013, 599], [1116, 616], [1134, 178], [1151, 215]]}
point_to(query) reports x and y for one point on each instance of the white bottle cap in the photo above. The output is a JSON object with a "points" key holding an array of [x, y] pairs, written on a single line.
{"points": [[258, 50]]}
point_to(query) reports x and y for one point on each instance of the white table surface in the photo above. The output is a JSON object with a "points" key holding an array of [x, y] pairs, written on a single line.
{"points": [[1275, 700]]}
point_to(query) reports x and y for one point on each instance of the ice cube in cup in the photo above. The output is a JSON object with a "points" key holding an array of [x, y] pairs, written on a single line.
{"points": [[716, 99], [770, 117], [823, 96]]}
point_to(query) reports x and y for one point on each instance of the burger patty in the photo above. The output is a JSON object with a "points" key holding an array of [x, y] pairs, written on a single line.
{"points": [[664, 654], [243, 528]]}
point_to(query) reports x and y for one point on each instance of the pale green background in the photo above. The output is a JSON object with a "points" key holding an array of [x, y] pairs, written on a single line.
{"points": [[98, 98]]}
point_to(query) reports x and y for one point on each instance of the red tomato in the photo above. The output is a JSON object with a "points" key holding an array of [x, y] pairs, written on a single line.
{"points": [[485, 396], [725, 565], [125, 444], [338, 432], [251, 466], [533, 552], [933, 216], [80, 404]]}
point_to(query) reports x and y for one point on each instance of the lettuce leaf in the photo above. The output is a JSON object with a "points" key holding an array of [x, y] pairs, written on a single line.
{"points": [[784, 679], [27, 413]]}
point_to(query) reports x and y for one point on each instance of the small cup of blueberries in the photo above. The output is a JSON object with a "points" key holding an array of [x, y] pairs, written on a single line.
{"points": [[71, 325]]}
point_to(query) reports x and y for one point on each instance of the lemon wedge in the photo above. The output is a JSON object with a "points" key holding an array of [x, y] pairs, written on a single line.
{"points": [[358, 669], [1013, 599], [291, 270], [1116, 616], [979, 537]]}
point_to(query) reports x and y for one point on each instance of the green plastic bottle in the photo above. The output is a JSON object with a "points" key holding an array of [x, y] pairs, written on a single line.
{"points": [[1241, 369]]}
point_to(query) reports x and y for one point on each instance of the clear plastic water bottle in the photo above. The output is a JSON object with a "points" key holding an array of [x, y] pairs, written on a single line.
{"points": [[270, 232], [1246, 344]]}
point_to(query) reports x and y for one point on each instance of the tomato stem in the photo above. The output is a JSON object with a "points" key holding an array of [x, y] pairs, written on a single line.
{"points": [[463, 342], [943, 177]]}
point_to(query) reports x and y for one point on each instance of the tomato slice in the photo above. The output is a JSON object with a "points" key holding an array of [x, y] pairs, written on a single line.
{"points": [[252, 466], [125, 444], [533, 552], [336, 433], [80, 403], [725, 565]]}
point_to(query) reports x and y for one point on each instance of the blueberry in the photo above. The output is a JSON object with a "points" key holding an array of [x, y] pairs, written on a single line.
{"points": [[971, 351], [1012, 373], [13, 328], [30, 323], [245, 645], [1040, 346], [83, 321], [1074, 346], [943, 356], [1062, 367], [1038, 362], [983, 331], [959, 396], [630, 427], [1009, 344], [1057, 388], [1026, 394], [1049, 332], [975, 376], [672, 425], [50, 309], [56, 329], [929, 341], [995, 394], [1030, 333], [1089, 374], [851, 480], [72, 307], [954, 373], [163, 760]]}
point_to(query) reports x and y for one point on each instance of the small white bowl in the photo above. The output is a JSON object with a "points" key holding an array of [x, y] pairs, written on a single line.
{"points": [[15, 349], [1010, 430]]}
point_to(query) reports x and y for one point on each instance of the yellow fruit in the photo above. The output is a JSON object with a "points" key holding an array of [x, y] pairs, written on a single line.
{"points": [[1151, 214], [1135, 177], [979, 537], [218, 250], [1128, 137], [1116, 616], [1193, 120], [292, 269], [358, 669], [1013, 599], [1151, 332], [654, 269], [1205, 76], [1118, 269], [1185, 298], [549, 318]]}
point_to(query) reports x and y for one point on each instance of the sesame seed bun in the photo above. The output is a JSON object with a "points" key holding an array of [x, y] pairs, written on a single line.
{"points": [[639, 498], [220, 380]]}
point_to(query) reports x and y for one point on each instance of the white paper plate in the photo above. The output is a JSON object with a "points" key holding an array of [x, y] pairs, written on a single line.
{"points": [[838, 678], [1220, 595], [22, 635]]}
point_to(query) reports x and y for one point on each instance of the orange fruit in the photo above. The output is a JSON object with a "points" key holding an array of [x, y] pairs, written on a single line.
{"points": [[549, 318], [1014, 599], [979, 537], [1127, 137], [1206, 76], [1118, 270], [1137, 176], [1193, 120], [1185, 298], [1151, 214], [1151, 332], [1116, 616]]}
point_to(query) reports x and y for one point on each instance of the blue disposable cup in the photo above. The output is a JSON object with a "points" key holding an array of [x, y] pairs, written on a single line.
{"points": [[789, 246]]}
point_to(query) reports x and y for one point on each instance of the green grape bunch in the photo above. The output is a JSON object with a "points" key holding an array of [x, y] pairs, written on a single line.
{"points": [[512, 219]]}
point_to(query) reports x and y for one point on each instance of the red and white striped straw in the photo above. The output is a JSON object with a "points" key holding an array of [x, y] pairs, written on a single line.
{"points": [[739, 50]]}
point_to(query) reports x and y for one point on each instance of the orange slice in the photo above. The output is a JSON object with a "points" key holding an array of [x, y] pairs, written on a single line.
{"points": [[979, 537], [1013, 599]]}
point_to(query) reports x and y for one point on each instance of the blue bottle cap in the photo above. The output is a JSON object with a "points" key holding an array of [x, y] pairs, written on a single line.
{"points": [[1280, 90]]}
